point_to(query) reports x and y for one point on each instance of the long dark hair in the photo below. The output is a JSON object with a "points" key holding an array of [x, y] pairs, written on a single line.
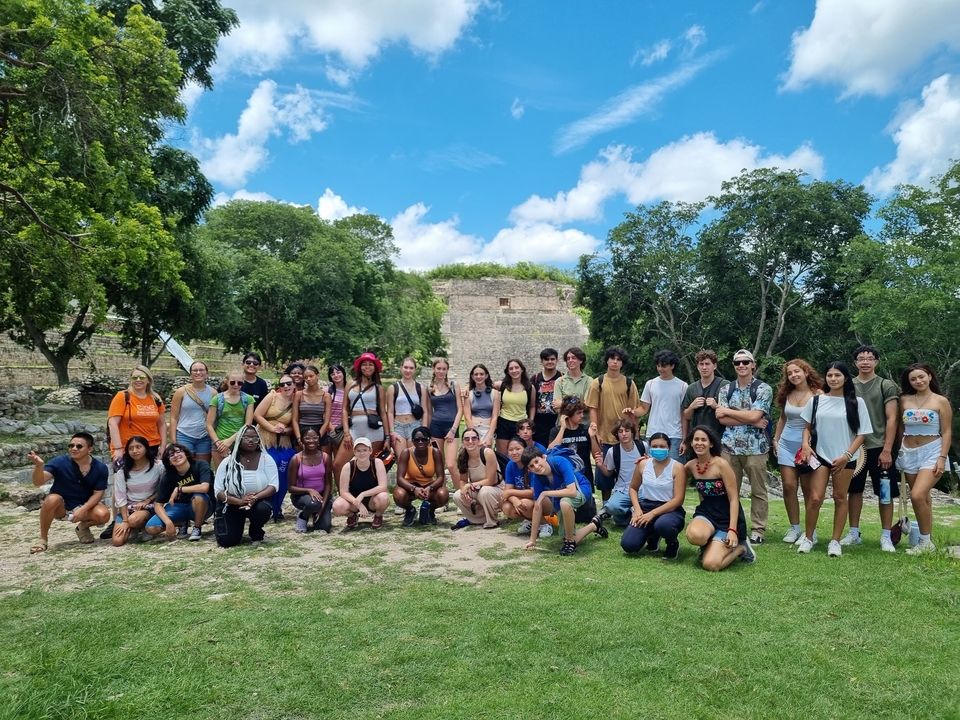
{"points": [[462, 457], [128, 461], [849, 394], [508, 381], [907, 389], [715, 448], [333, 388], [488, 383]]}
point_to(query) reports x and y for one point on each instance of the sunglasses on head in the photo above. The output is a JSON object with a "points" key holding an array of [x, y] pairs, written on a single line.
{"points": [[742, 362], [236, 383], [76, 446]]}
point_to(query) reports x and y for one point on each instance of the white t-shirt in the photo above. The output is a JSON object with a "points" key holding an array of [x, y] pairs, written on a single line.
{"points": [[665, 398], [628, 461], [833, 433]]}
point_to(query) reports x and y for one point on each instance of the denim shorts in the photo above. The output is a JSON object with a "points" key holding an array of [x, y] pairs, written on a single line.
{"points": [[182, 512], [198, 446], [405, 429]]}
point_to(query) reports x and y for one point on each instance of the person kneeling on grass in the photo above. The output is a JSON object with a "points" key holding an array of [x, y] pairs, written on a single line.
{"points": [[185, 492], [79, 481], [363, 486], [711, 528], [244, 482], [517, 493], [420, 476], [557, 488], [656, 494]]}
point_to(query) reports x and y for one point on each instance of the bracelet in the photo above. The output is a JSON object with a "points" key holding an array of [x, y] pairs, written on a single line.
{"points": [[847, 453], [943, 457], [732, 530]]}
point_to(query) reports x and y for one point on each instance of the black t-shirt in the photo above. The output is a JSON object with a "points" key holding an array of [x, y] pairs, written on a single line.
{"points": [[578, 440], [258, 388], [199, 472]]}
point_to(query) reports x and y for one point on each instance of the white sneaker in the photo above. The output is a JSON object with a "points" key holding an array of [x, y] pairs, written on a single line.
{"points": [[834, 549], [924, 546], [802, 536], [399, 510], [524, 528], [886, 544], [793, 535], [546, 530], [851, 539], [805, 545]]}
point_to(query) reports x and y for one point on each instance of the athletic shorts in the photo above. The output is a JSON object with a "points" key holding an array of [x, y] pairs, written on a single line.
{"points": [[872, 466]]}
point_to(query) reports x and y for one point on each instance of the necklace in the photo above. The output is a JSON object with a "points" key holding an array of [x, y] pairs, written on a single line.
{"points": [[702, 468], [921, 401]]}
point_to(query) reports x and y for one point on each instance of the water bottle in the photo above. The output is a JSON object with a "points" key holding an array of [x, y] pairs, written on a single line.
{"points": [[914, 533], [885, 487]]}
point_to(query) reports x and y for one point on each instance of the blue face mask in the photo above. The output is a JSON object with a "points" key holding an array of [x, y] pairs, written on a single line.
{"points": [[659, 453]]}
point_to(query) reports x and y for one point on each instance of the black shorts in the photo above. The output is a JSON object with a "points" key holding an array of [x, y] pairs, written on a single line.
{"points": [[506, 429], [827, 463], [872, 466]]}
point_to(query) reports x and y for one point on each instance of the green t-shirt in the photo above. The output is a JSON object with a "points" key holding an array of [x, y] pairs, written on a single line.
{"points": [[231, 419], [568, 386], [876, 393]]}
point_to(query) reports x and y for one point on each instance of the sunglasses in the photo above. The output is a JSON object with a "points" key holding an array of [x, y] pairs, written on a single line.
{"points": [[421, 438], [742, 362], [138, 377], [471, 439], [76, 446], [235, 383], [286, 384], [250, 362]]}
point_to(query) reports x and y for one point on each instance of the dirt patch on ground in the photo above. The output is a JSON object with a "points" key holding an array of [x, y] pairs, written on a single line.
{"points": [[286, 561]]}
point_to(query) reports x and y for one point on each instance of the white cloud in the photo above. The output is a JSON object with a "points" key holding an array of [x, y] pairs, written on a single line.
{"points": [[866, 46], [222, 198], [629, 105], [689, 170], [538, 242], [425, 245], [231, 158], [331, 206], [460, 156], [649, 55], [190, 94], [694, 37], [350, 32], [927, 138], [517, 109]]}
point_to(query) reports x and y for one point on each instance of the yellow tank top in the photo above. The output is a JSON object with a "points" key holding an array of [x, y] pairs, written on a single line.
{"points": [[415, 475], [513, 405]]}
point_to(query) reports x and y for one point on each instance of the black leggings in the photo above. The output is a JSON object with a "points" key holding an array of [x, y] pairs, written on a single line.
{"points": [[234, 519]]}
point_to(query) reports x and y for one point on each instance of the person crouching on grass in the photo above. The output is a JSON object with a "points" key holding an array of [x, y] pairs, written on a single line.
{"points": [[363, 487], [420, 476], [517, 493], [557, 488]]}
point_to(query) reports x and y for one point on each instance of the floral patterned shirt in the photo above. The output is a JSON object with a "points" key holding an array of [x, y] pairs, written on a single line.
{"points": [[746, 439]]}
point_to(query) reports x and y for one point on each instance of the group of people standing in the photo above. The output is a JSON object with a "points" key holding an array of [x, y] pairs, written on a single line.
{"points": [[535, 449]]}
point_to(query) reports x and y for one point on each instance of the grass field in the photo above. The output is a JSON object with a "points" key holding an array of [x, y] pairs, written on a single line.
{"points": [[425, 623]]}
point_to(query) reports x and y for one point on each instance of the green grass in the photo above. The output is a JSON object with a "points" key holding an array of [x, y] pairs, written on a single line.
{"points": [[595, 635]]}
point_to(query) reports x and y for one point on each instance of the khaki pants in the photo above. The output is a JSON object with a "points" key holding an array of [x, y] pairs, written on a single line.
{"points": [[487, 507], [755, 468]]}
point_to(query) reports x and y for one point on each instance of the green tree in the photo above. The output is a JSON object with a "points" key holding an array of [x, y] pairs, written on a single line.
{"points": [[82, 101]]}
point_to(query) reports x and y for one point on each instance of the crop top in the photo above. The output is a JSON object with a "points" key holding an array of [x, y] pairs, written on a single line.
{"points": [[921, 421]]}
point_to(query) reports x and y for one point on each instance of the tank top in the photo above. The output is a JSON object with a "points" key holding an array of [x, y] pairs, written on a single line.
{"points": [[419, 476], [444, 407], [513, 405], [274, 414], [658, 488], [311, 413], [312, 477], [477, 473], [921, 421], [231, 419], [361, 480], [336, 407], [369, 400], [481, 404], [193, 416], [710, 487], [401, 406], [793, 424]]}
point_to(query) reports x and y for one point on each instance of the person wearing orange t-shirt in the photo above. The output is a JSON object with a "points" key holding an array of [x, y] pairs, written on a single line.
{"points": [[137, 411]]}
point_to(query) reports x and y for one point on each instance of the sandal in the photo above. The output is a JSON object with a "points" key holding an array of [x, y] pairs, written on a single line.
{"points": [[84, 535], [569, 547], [599, 529], [352, 520], [38, 547]]}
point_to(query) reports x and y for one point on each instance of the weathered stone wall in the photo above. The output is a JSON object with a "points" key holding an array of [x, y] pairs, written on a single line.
{"points": [[494, 319], [19, 366]]}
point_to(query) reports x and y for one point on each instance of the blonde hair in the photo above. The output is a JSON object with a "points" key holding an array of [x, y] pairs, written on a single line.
{"points": [[146, 371], [433, 377]]}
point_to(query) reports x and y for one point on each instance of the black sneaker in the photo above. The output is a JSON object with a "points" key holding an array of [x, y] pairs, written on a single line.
{"points": [[107, 532], [409, 515], [671, 551], [425, 512], [653, 545], [569, 547]]}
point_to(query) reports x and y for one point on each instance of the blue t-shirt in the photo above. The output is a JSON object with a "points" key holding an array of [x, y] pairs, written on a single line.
{"points": [[70, 484], [513, 475], [563, 476]]}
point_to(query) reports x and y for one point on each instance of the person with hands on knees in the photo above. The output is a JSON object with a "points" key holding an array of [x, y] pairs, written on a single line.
{"points": [[186, 491], [244, 483], [420, 476], [363, 487], [311, 481], [517, 500], [840, 421], [481, 487], [721, 539], [79, 482], [557, 489], [135, 487], [656, 494]]}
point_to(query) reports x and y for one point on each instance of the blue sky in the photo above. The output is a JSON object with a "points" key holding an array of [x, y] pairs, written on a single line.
{"points": [[511, 131]]}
